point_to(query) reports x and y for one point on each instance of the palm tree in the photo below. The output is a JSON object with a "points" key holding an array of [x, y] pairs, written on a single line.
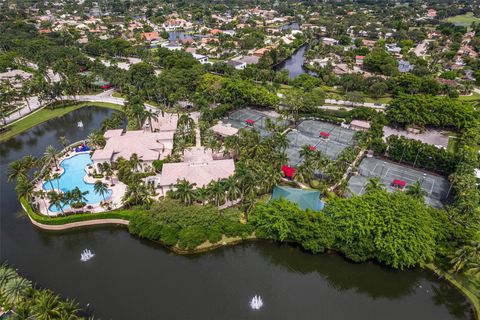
{"points": [[107, 170], [51, 155], [16, 169], [16, 289], [96, 139], [135, 162], [77, 196], [63, 141], [201, 194], [467, 258], [217, 192], [231, 187], [183, 191], [151, 115], [136, 193], [56, 176], [374, 184], [307, 152], [100, 188], [56, 199], [46, 305], [6, 274], [416, 190], [47, 176], [69, 309], [181, 145], [305, 172], [24, 187], [42, 195]]}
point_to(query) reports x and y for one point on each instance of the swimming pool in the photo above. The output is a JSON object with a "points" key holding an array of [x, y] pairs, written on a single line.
{"points": [[74, 172]]}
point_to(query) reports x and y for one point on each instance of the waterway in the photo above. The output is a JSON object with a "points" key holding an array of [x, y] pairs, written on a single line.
{"points": [[134, 279], [294, 64]]}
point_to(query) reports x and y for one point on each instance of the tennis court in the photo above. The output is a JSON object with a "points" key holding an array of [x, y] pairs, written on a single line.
{"points": [[436, 187], [336, 133], [239, 118], [308, 133]]}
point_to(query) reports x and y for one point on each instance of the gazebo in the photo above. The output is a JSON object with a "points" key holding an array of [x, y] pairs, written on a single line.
{"points": [[250, 122], [324, 134], [288, 172], [399, 183]]}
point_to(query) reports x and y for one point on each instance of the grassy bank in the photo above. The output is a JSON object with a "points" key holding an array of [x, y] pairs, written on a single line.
{"points": [[124, 214], [45, 114]]}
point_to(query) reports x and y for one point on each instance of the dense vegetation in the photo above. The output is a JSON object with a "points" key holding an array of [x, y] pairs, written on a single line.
{"points": [[421, 155], [393, 228], [187, 227], [425, 110]]}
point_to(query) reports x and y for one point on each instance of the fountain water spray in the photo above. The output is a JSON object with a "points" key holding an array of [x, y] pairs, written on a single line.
{"points": [[86, 255], [256, 302]]}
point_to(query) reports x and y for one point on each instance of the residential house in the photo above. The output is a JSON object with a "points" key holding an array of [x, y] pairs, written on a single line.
{"points": [[237, 64], [150, 36]]}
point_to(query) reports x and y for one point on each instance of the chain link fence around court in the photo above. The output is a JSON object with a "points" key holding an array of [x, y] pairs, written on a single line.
{"points": [[238, 119], [437, 188], [297, 140], [337, 133]]}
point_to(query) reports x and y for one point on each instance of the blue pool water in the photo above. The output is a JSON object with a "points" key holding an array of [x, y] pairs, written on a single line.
{"points": [[73, 177]]}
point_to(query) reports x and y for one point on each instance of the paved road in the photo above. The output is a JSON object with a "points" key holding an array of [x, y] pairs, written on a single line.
{"points": [[107, 96]]}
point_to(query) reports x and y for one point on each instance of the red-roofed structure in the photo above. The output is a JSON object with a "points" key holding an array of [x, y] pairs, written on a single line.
{"points": [[312, 148], [399, 183], [106, 86], [288, 172], [324, 134], [250, 122]]}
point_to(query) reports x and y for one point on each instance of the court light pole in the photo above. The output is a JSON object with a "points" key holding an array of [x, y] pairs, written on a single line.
{"points": [[416, 157]]}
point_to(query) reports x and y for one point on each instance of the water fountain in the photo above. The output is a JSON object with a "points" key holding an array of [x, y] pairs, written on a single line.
{"points": [[86, 255], [256, 302]]}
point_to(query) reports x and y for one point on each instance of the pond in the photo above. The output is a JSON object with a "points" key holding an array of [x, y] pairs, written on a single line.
{"points": [[134, 279]]}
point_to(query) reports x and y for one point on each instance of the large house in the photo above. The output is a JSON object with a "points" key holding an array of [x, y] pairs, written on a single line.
{"points": [[198, 167], [148, 146]]}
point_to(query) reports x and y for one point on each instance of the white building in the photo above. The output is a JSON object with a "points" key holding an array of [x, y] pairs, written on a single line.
{"points": [[201, 58]]}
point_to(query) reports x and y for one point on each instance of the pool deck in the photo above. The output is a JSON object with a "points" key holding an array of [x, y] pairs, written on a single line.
{"points": [[118, 190]]}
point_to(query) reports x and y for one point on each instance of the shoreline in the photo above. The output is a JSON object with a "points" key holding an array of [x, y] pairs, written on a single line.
{"points": [[225, 241], [29, 121]]}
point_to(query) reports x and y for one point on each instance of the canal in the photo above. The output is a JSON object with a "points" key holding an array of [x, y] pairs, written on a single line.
{"points": [[294, 64], [134, 279]]}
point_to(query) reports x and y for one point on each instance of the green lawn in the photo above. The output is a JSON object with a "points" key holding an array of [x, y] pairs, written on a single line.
{"points": [[45, 114], [464, 20], [474, 97]]}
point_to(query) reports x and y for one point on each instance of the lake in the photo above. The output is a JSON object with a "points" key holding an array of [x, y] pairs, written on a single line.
{"points": [[130, 278]]}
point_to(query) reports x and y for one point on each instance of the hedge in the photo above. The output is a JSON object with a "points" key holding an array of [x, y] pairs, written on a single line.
{"points": [[59, 220]]}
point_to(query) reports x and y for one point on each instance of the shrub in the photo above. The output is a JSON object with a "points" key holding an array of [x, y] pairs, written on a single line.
{"points": [[191, 237], [187, 226]]}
